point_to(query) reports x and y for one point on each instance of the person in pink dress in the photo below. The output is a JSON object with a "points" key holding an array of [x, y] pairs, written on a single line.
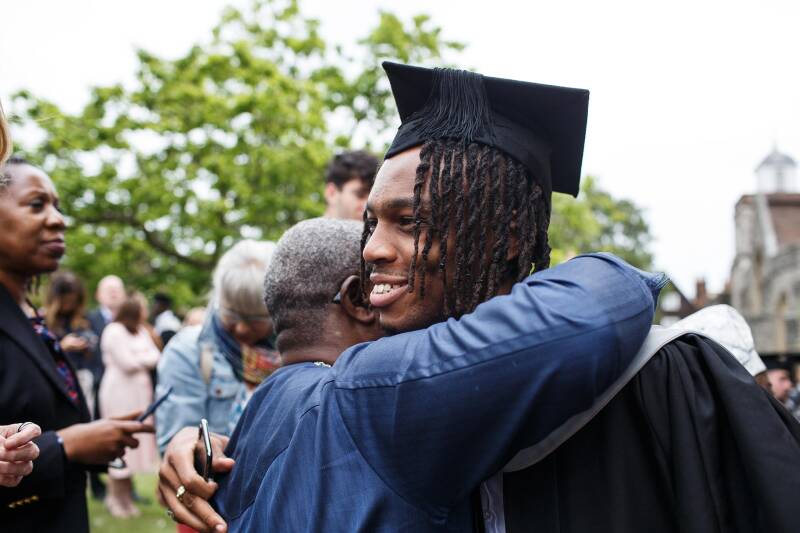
{"points": [[129, 355]]}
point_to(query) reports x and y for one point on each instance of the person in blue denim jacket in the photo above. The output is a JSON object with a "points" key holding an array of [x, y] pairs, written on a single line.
{"points": [[213, 369]]}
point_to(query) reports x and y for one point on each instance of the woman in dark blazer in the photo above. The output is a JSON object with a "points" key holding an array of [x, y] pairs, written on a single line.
{"points": [[37, 382], [17, 452]]}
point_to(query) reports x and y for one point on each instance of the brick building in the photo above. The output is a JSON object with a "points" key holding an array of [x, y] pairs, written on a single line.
{"points": [[765, 278]]}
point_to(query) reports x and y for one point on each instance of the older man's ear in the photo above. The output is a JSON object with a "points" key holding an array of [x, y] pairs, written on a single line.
{"points": [[353, 302]]}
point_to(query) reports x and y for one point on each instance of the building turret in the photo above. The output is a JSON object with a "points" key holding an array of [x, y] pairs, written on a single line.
{"points": [[777, 173]]}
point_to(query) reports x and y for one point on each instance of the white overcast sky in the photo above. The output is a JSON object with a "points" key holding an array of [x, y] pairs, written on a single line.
{"points": [[686, 96]]}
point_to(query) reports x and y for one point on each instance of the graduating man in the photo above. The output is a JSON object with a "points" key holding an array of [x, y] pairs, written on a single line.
{"points": [[685, 440], [398, 433]]}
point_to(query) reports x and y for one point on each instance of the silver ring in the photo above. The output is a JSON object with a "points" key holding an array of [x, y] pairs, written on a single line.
{"points": [[179, 494], [171, 515], [23, 425]]}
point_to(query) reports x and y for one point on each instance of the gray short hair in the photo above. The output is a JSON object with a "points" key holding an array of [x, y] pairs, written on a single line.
{"points": [[311, 261], [239, 276]]}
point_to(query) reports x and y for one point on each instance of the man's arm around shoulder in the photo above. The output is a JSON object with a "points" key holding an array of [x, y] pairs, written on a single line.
{"points": [[436, 411]]}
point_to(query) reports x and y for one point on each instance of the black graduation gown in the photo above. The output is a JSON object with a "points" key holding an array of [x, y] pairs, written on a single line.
{"points": [[690, 444]]}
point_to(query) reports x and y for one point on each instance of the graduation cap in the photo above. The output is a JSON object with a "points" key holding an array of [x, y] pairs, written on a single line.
{"points": [[541, 126], [778, 363]]}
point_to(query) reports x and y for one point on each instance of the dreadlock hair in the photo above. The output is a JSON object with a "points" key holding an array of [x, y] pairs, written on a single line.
{"points": [[484, 198]]}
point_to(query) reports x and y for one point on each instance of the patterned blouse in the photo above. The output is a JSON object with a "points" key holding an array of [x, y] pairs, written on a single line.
{"points": [[63, 368]]}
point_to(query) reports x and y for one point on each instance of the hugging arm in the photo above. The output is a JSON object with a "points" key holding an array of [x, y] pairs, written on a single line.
{"points": [[436, 411]]}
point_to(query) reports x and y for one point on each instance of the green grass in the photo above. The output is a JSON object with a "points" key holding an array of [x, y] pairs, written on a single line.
{"points": [[153, 518]]}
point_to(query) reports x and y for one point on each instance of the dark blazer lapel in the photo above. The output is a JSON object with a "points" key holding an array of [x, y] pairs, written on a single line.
{"points": [[18, 328]]}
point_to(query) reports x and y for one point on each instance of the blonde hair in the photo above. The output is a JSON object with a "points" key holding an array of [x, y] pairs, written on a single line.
{"points": [[5, 138]]}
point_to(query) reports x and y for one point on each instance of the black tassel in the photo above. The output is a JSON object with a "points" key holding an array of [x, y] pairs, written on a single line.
{"points": [[457, 107]]}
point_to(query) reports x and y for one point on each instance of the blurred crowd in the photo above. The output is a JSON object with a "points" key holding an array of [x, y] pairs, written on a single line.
{"points": [[114, 349]]}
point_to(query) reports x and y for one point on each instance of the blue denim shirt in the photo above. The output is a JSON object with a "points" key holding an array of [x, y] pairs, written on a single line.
{"points": [[192, 398], [396, 434]]}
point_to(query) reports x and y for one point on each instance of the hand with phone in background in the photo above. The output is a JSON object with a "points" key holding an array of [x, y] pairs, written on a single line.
{"points": [[192, 459], [119, 462], [74, 343]]}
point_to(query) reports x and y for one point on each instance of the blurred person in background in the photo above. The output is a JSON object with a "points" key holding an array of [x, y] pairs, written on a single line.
{"points": [[148, 327], [17, 451], [165, 323], [129, 354], [194, 317], [779, 380], [109, 295], [64, 307], [37, 381], [782, 387], [348, 181], [213, 368], [793, 401]]}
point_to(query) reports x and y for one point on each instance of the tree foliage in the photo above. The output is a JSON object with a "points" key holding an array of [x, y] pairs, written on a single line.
{"points": [[230, 141], [597, 222]]}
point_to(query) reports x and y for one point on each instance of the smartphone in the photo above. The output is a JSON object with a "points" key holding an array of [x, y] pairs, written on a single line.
{"points": [[153, 406], [119, 462], [204, 454]]}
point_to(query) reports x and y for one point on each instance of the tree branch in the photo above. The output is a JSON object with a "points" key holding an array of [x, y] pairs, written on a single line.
{"points": [[151, 237]]}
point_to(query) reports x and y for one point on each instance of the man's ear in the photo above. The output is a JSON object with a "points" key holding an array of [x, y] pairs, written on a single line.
{"points": [[353, 302], [331, 191]]}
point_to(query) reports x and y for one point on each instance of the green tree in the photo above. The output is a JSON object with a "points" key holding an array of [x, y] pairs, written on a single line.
{"points": [[228, 141], [595, 222]]}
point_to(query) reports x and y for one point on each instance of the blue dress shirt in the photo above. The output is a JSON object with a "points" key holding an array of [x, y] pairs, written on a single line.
{"points": [[396, 434]]}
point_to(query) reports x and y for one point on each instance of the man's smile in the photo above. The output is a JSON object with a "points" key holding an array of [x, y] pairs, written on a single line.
{"points": [[386, 289]]}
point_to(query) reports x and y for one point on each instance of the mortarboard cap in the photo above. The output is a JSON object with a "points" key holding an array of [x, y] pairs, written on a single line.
{"points": [[541, 126], [778, 363]]}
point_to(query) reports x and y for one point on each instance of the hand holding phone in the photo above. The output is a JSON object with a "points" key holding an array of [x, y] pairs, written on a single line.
{"points": [[182, 465], [153, 406], [119, 462], [204, 455]]}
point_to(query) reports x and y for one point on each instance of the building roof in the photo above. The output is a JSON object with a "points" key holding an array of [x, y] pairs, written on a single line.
{"points": [[784, 210], [776, 159]]}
